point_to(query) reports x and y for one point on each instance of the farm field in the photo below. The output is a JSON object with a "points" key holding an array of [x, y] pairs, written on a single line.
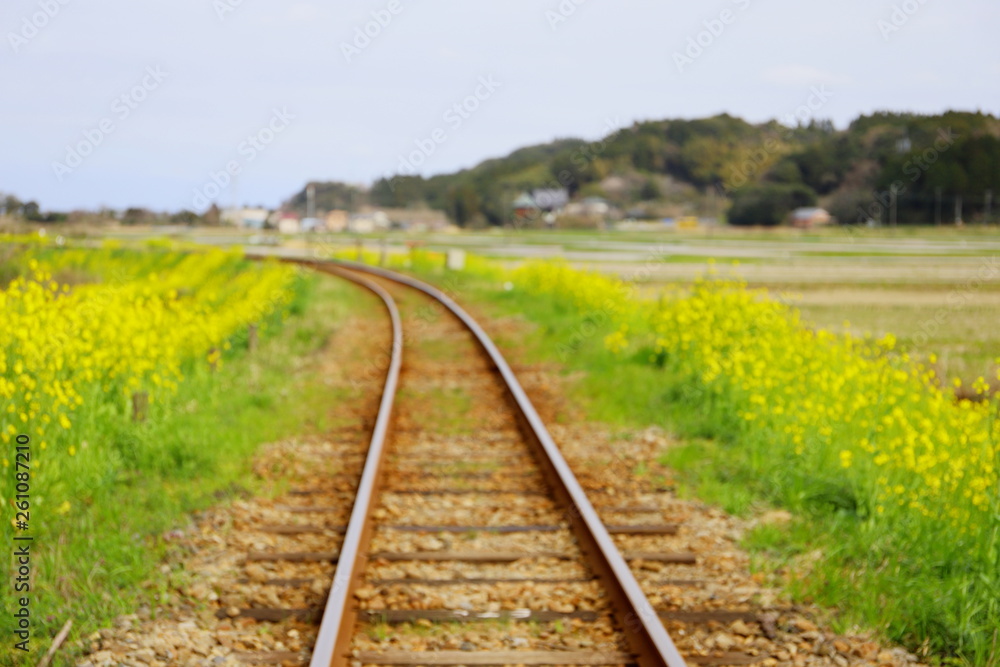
{"points": [[935, 289], [937, 294]]}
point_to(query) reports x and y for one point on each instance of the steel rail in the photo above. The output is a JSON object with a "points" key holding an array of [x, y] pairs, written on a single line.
{"points": [[340, 614], [647, 638]]}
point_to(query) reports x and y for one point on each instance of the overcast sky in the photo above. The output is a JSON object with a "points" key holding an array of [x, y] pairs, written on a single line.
{"points": [[124, 103]]}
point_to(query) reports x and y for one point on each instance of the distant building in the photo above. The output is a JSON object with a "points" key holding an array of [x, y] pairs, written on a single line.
{"points": [[524, 206], [312, 225], [416, 219], [551, 199], [810, 217], [249, 218], [546, 200], [591, 207], [230, 216], [288, 223], [366, 223], [336, 221]]}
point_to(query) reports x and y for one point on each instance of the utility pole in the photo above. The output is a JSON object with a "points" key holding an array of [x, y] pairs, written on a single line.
{"points": [[236, 199], [310, 201], [713, 208], [892, 205], [958, 210]]}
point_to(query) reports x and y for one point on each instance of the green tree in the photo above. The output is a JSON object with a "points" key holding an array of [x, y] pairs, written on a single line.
{"points": [[212, 217], [768, 204], [650, 190], [398, 192], [573, 170], [185, 217], [464, 205], [12, 205], [32, 211]]}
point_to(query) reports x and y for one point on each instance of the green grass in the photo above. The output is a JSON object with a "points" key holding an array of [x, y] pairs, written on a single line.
{"points": [[195, 450]]}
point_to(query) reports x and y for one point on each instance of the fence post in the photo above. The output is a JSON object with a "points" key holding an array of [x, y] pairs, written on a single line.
{"points": [[252, 338]]}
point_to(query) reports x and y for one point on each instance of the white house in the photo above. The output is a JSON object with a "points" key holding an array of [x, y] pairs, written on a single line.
{"points": [[288, 223], [366, 223]]}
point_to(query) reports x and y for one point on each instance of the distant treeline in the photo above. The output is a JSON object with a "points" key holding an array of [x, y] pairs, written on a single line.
{"points": [[932, 167], [30, 211]]}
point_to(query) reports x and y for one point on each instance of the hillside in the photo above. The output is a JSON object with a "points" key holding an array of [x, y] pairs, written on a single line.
{"points": [[723, 165]]}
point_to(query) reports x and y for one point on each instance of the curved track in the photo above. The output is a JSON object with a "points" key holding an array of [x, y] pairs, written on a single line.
{"points": [[635, 618]]}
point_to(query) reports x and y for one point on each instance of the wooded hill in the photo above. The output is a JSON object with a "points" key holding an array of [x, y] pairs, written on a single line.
{"points": [[937, 166]]}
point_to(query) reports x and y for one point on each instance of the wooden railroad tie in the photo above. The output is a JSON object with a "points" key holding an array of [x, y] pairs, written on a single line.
{"points": [[536, 658], [646, 529], [459, 556], [397, 616], [494, 658], [270, 657], [307, 581]]}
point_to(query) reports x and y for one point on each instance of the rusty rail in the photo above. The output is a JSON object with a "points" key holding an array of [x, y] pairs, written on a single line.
{"points": [[339, 615], [648, 640]]}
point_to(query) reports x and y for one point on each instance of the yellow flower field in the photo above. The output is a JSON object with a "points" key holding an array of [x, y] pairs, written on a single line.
{"points": [[832, 401], [827, 420], [76, 352]]}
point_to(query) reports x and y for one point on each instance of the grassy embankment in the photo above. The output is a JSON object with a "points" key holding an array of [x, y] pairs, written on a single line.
{"points": [[97, 555], [917, 563]]}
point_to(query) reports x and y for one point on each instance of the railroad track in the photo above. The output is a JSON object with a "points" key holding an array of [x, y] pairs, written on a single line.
{"points": [[477, 545]]}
